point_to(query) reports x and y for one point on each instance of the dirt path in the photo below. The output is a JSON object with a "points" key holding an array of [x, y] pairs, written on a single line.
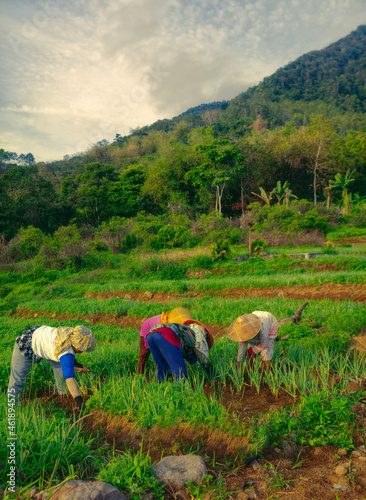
{"points": [[331, 291]]}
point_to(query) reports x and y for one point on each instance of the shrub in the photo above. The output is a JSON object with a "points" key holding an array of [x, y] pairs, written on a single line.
{"points": [[65, 249], [202, 262], [172, 271], [319, 419], [329, 248], [221, 250], [258, 246], [346, 232], [25, 245], [117, 234]]}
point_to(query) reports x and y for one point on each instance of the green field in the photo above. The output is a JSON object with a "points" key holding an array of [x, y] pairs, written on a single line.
{"points": [[304, 399]]}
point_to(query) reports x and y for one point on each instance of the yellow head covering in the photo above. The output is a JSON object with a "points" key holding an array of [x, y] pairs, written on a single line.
{"points": [[78, 337], [164, 317]]}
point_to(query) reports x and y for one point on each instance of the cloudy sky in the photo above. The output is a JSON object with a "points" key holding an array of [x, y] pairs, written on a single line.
{"points": [[74, 72]]}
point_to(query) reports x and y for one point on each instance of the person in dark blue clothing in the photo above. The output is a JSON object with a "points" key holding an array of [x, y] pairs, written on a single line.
{"points": [[172, 344]]}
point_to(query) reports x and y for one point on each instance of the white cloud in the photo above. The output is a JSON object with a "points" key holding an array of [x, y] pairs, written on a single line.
{"points": [[74, 72]]}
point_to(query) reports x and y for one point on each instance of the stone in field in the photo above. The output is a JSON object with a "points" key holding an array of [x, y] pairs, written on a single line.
{"points": [[83, 490], [178, 470], [341, 470]]}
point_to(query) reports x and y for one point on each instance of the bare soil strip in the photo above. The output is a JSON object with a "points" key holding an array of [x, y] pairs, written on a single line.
{"points": [[331, 291]]}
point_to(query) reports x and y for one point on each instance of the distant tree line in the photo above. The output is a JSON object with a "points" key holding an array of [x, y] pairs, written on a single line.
{"points": [[186, 171]]}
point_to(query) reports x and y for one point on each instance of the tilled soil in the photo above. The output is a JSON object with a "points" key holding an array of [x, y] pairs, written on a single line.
{"points": [[331, 291], [287, 470]]}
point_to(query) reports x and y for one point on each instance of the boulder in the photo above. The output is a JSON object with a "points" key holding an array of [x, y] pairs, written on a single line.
{"points": [[83, 490], [177, 470]]}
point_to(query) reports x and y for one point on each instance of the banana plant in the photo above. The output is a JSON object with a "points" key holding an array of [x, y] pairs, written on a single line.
{"points": [[266, 197], [341, 182]]}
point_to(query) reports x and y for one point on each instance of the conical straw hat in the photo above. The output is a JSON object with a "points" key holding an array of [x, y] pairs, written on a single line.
{"points": [[244, 328], [179, 315]]}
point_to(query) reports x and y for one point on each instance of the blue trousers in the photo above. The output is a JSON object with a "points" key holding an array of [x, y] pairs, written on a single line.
{"points": [[166, 356]]}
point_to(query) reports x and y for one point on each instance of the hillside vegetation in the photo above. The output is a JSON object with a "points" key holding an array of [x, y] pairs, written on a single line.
{"points": [[299, 134]]}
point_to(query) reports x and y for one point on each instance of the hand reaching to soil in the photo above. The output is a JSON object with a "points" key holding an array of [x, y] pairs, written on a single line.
{"points": [[82, 369]]}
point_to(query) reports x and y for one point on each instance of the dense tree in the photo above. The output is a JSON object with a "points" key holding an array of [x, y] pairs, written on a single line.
{"points": [[27, 200], [95, 184], [220, 162], [125, 195]]}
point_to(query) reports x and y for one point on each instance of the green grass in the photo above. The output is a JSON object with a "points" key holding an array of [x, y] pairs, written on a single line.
{"points": [[302, 364]]}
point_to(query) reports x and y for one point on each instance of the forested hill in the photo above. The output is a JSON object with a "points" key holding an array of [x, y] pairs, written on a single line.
{"points": [[303, 128], [331, 81], [335, 75]]}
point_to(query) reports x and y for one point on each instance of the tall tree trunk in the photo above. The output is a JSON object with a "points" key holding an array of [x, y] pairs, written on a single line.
{"points": [[316, 171], [241, 196], [219, 193]]}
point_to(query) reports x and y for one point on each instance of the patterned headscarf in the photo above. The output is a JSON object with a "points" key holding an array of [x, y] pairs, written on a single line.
{"points": [[78, 337]]}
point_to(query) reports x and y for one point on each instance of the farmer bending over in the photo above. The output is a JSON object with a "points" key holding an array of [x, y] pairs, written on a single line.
{"points": [[177, 315], [58, 346], [259, 330], [172, 343]]}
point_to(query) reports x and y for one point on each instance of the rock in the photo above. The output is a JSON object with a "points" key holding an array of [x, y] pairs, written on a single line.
{"points": [[177, 470], [241, 495], [339, 487], [318, 450], [84, 490], [251, 494], [341, 470], [362, 459], [148, 295], [255, 464], [277, 450], [342, 452], [288, 450], [356, 454], [128, 296], [362, 448]]}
